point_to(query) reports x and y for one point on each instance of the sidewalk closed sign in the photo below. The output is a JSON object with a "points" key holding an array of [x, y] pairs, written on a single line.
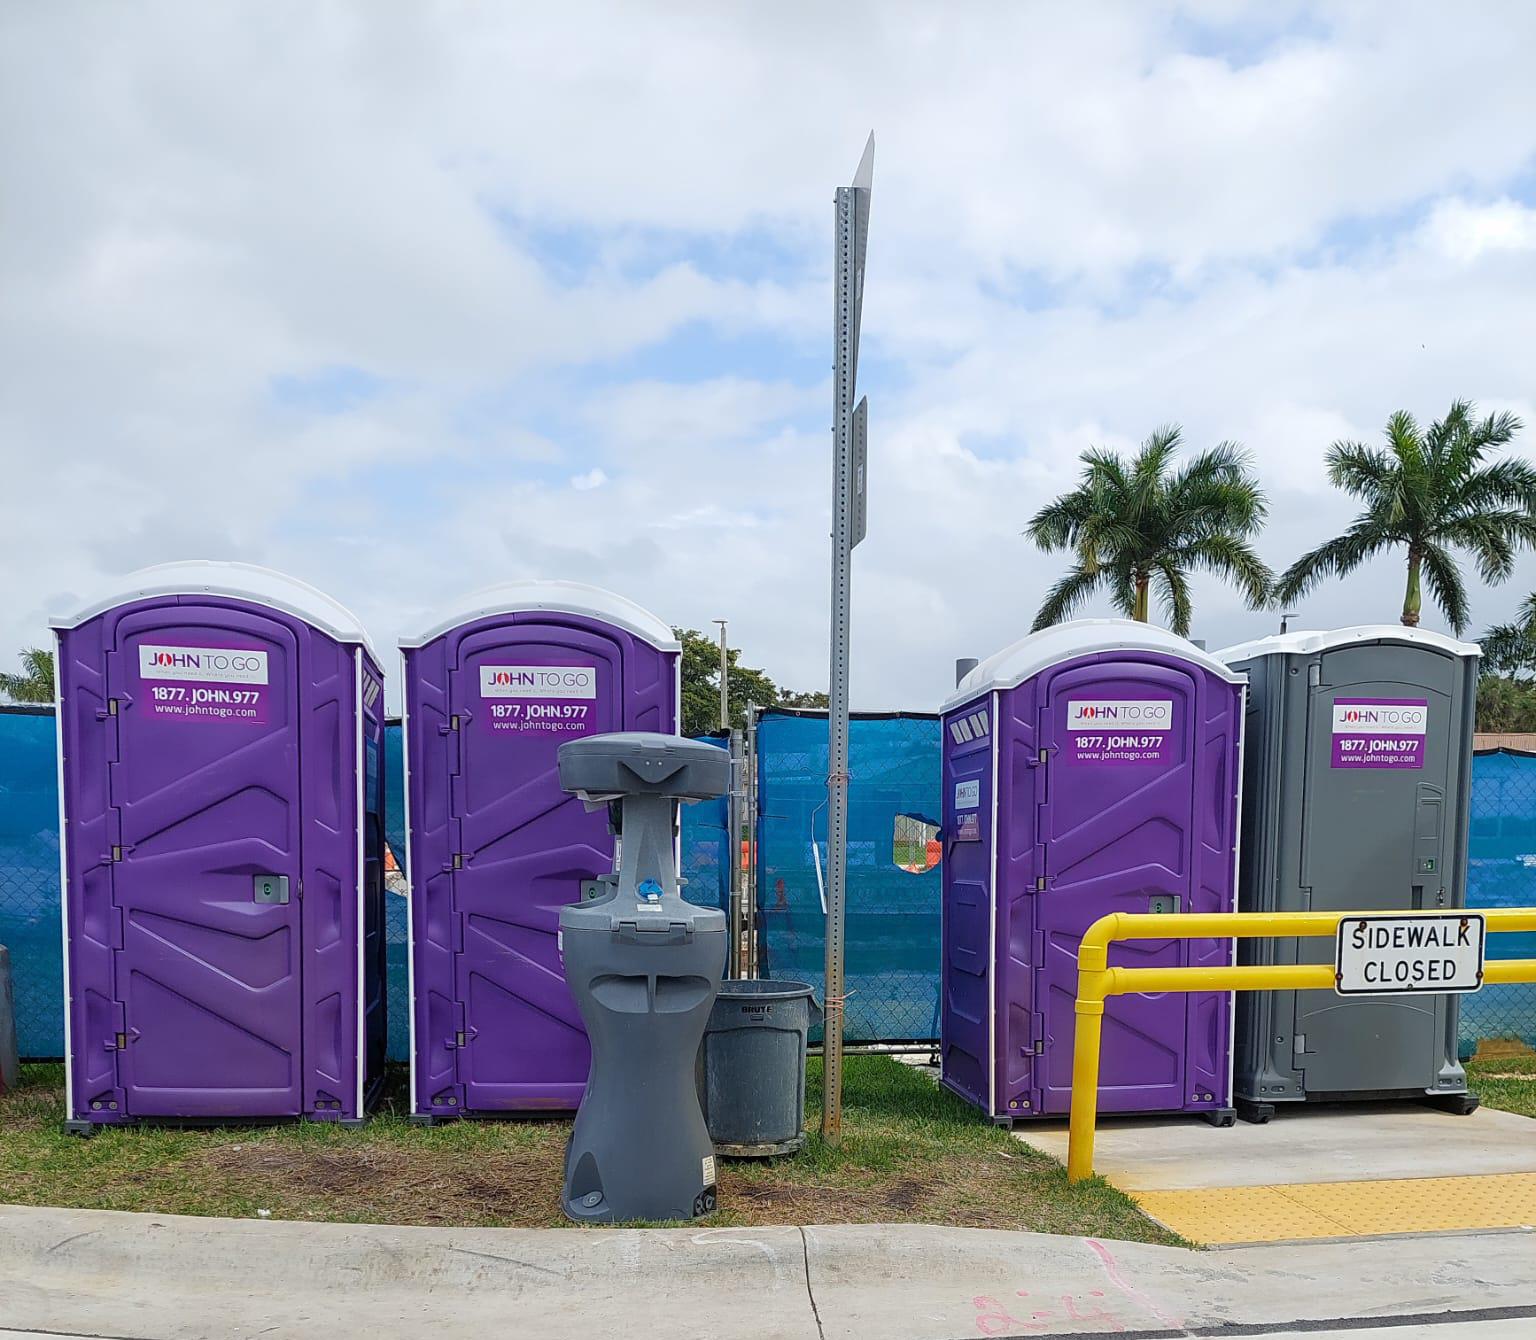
{"points": [[1409, 955]]}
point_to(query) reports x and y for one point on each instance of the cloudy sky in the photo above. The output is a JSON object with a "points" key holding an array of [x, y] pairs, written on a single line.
{"points": [[407, 299]]}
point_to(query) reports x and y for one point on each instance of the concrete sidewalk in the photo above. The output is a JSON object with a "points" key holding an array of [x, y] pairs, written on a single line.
{"points": [[1315, 1171], [99, 1273], [1340, 1142]]}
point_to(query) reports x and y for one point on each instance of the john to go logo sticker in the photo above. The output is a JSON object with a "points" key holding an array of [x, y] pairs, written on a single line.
{"points": [[1120, 730], [1379, 732]]}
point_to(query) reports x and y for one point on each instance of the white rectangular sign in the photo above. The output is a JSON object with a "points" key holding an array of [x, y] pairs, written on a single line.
{"points": [[1409, 954], [538, 681], [1381, 716], [219, 665], [1101, 714], [967, 795]]}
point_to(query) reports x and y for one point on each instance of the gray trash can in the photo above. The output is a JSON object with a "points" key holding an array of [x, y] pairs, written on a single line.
{"points": [[643, 966], [8, 1066], [752, 1067]]}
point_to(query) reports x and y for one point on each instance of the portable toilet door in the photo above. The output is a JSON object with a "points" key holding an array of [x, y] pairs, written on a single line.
{"points": [[1090, 768], [1357, 797], [494, 847], [219, 732]]}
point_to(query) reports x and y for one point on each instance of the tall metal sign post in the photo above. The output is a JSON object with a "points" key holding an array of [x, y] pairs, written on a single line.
{"points": [[849, 454]]}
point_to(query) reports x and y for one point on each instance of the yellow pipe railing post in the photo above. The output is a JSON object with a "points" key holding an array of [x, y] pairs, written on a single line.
{"points": [[1093, 980], [1097, 981]]}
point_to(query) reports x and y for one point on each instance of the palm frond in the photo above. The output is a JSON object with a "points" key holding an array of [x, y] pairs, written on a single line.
{"points": [[1149, 470], [1443, 579], [1173, 597], [1467, 440], [1334, 558], [1506, 483], [1056, 524], [1367, 473], [1492, 538], [1064, 597], [1229, 557], [1509, 648], [36, 683]]}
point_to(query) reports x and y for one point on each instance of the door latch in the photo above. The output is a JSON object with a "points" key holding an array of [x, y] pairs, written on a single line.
{"points": [[269, 888]]}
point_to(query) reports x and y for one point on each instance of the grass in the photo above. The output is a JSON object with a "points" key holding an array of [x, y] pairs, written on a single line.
{"points": [[911, 1153], [1505, 1082]]}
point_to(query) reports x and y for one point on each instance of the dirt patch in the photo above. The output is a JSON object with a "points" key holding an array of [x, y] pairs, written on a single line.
{"points": [[910, 1153], [1496, 1049], [905, 1196], [515, 1185], [996, 1192]]}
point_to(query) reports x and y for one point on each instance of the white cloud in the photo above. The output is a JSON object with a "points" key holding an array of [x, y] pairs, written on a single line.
{"points": [[1463, 231], [583, 253]]}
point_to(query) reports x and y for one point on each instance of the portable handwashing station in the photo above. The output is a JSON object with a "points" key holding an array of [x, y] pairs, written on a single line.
{"points": [[644, 967]]}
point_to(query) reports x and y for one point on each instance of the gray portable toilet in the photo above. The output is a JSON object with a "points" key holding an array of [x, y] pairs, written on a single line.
{"points": [[1355, 793]]}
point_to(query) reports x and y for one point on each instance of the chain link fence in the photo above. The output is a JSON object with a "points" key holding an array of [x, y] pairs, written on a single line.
{"points": [[29, 878], [893, 873], [892, 927], [1501, 872]]}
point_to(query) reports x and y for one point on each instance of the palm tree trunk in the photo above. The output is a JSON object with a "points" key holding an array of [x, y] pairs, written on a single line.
{"points": [[1412, 601], [1143, 583]]}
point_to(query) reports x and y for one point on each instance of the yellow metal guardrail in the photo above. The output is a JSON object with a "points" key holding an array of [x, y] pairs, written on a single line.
{"points": [[1097, 981]]}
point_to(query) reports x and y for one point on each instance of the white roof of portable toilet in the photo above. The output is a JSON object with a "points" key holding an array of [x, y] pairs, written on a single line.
{"points": [[1310, 642], [591, 602], [240, 581], [1066, 641]]}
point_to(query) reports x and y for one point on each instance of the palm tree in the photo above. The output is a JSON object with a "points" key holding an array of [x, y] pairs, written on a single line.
{"points": [[36, 685], [1430, 492], [1509, 648], [1135, 523]]}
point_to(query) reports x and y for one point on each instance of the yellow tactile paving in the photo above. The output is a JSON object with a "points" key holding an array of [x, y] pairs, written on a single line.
{"points": [[1237, 1214], [1345, 1209]]}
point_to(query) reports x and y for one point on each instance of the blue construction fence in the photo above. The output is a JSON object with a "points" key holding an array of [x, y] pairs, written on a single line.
{"points": [[892, 932], [29, 876]]}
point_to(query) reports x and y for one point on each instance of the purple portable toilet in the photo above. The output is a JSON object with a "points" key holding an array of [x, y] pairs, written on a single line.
{"points": [[494, 847], [1093, 767], [221, 799]]}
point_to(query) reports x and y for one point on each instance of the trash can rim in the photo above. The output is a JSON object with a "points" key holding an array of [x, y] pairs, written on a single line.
{"points": [[764, 988]]}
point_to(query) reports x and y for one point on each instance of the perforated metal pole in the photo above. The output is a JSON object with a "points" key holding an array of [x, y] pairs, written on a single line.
{"points": [[725, 680], [750, 898], [734, 804], [852, 210]]}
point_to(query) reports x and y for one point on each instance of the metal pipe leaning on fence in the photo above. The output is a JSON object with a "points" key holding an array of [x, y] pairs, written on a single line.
{"points": [[1097, 980]]}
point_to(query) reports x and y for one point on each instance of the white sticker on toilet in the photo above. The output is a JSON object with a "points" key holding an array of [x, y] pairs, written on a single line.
{"points": [[709, 1169]]}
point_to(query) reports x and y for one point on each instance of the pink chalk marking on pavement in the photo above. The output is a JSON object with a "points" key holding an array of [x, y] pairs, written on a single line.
{"points": [[1112, 1269]]}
